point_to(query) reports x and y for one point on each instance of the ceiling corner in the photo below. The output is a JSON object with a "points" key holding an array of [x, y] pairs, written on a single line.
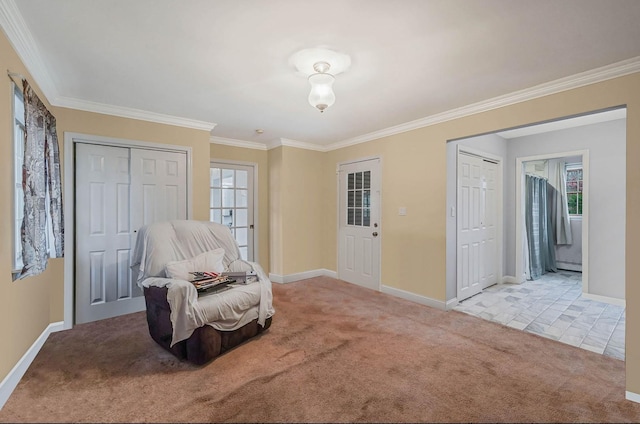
{"points": [[25, 46]]}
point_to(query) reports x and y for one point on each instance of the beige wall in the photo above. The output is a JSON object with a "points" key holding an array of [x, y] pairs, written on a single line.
{"points": [[303, 210], [297, 210], [275, 216], [28, 306], [259, 157], [414, 176], [25, 306]]}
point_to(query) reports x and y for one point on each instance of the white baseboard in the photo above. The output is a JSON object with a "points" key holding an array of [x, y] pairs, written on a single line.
{"points": [[423, 300], [605, 299], [451, 303], [12, 379], [510, 279], [569, 266], [633, 397], [290, 278]]}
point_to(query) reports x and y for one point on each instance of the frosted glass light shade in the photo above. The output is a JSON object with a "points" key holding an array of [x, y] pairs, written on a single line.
{"points": [[321, 95]]}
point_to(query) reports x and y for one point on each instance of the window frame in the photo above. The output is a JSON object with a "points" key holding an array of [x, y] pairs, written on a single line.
{"points": [[18, 128], [580, 190]]}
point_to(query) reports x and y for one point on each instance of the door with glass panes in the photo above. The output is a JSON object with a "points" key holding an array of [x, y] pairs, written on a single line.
{"points": [[232, 202], [359, 223]]}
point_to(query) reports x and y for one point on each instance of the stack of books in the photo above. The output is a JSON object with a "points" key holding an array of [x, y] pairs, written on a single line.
{"points": [[209, 281]]}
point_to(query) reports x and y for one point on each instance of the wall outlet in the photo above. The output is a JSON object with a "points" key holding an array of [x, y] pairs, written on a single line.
{"points": [[402, 211]]}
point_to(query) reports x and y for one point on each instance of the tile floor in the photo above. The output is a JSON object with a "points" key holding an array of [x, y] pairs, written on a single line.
{"points": [[553, 307]]}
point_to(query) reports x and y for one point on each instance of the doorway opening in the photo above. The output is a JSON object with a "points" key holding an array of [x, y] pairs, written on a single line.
{"points": [[593, 144]]}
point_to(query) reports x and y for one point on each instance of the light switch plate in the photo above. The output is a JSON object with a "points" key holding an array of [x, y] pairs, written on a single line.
{"points": [[402, 211]]}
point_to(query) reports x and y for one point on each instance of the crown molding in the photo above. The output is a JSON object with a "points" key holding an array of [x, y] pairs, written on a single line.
{"points": [[25, 46], [27, 49], [301, 145], [593, 76], [237, 143], [126, 112]]}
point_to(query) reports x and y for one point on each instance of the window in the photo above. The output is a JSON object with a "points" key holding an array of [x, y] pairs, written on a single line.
{"points": [[18, 159], [231, 204], [359, 199], [19, 129], [574, 188]]}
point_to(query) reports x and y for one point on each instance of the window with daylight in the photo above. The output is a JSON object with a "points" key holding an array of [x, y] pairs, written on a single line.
{"points": [[231, 203], [574, 189], [38, 227], [359, 199], [18, 159]]}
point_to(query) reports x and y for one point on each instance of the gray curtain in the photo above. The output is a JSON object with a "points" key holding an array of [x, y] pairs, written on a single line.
{"points": [[41, 185], [540, 234], [560, 217]]}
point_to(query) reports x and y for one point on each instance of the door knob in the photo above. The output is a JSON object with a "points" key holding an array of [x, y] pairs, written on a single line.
{"points": [[375, 234]]}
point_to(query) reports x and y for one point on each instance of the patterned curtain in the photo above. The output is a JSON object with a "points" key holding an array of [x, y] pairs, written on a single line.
{"points": [[41, 185]]}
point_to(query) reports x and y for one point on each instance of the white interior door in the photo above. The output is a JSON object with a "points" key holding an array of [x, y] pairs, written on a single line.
{"points": [[488, 224], [118, 189], [477, 247], [469, 227], [159, 186], [103, 234], [359, 223], [232, 203]]}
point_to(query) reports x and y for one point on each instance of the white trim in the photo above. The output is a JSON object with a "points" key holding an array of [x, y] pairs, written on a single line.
{"points": [[633, 397], [592, 76], [290, 278], [256, 217], [567, 266], [295, 143], [585, 212], [423, 300], [510, 279], [605, 299], [451, 303], [25, 46], [70, 140], [127, 112], [12, 379], [237, 143]]}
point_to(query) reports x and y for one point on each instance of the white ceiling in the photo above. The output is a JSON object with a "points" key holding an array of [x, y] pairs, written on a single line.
{"points": [[226, 62]]}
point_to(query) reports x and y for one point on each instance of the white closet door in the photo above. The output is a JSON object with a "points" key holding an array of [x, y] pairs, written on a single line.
{"points": [[470, 212], [104, 287], [160, 189], [489, 224], [477, 258], [118, 190]]}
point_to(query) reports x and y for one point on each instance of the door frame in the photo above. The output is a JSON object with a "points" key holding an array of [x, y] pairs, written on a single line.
{"points": [[338, 251], [499, 208], [70, 140], [256, 217], [519, 226]]}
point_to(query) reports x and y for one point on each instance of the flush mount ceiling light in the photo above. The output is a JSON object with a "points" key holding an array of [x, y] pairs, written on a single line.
{"points": [[320, 66]]}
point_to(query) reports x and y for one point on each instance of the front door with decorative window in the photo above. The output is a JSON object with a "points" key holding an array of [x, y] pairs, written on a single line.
{"points": [[359, 223], [232, 191]]}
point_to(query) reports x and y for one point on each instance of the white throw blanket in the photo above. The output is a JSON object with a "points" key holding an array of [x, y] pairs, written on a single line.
{"points": [[228, 310]]}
